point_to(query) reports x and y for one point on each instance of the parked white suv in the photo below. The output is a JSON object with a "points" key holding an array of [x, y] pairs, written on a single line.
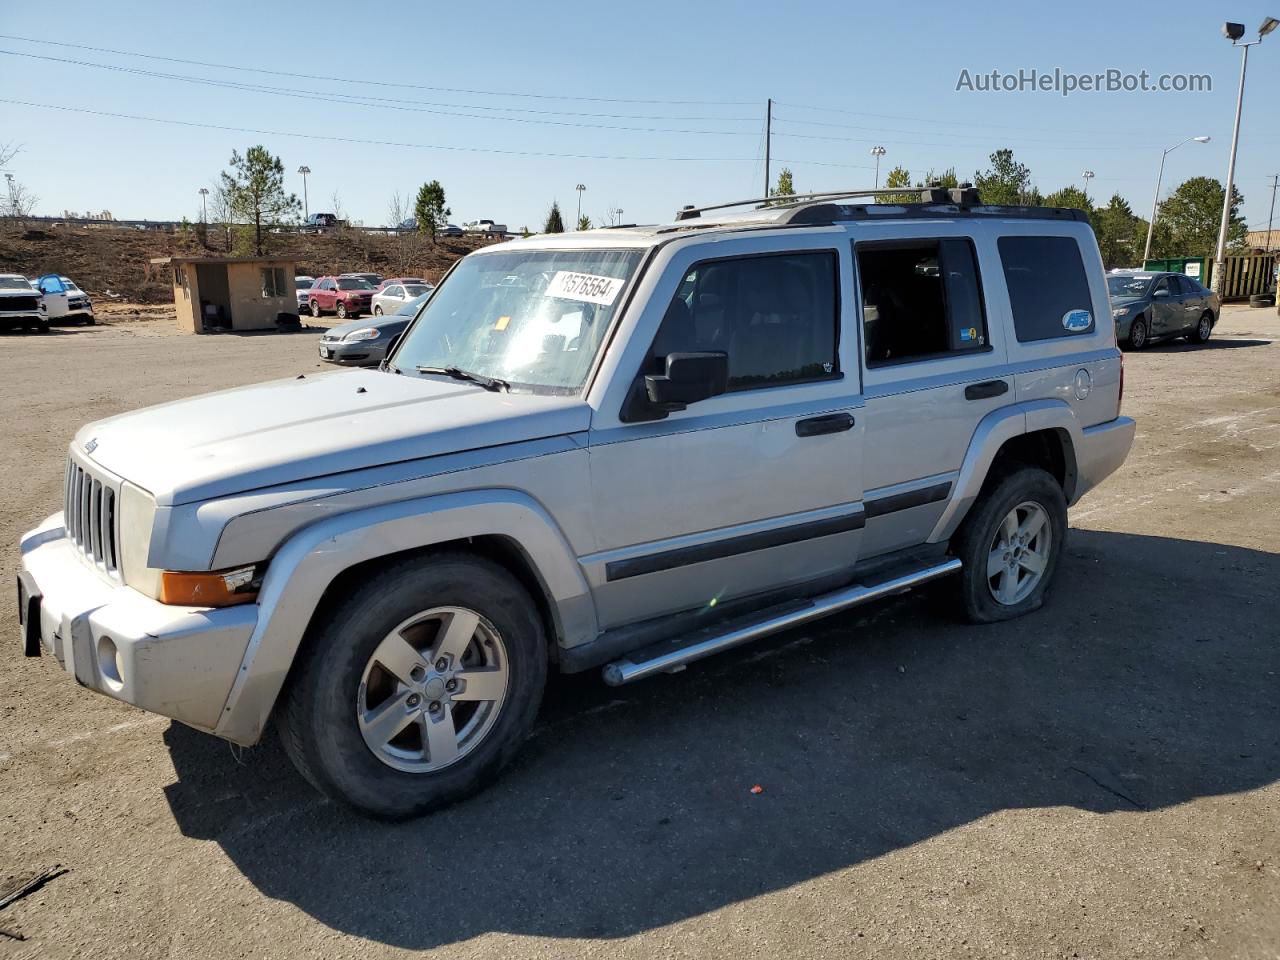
{"points": [[622, 448]]}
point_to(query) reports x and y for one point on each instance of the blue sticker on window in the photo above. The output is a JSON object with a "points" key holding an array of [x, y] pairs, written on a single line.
{"points": [[1077, 320]]}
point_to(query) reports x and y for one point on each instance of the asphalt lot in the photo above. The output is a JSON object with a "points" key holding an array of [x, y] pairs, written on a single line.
{"points": [[1097, 780]]}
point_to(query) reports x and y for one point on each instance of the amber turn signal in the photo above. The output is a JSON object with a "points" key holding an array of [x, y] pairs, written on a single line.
{"points": [[223, 588]]}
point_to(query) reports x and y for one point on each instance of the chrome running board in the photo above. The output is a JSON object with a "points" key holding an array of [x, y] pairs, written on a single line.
{"points": [[670, 656]]}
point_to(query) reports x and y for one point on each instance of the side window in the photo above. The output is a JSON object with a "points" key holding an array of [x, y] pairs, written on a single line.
{"points": [[1048, 289], [921, 299], [394, 291], [777, 316], [273, 282], [1162, 288]]}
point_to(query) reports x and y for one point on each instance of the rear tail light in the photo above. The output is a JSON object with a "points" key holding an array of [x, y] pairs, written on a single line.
{"points": [[1120, 398]]}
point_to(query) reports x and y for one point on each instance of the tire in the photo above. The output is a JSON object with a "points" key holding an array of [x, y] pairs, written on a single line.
{"points": [[315, 308], [42, 326], [1138, 335], [377, 311], [90, 321], [1262, 300], [1204, 328], [983, 539], [330, 712], [342, 310]]}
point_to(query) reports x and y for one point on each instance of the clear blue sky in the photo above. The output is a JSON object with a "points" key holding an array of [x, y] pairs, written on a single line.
{"points": [[876, 74]]}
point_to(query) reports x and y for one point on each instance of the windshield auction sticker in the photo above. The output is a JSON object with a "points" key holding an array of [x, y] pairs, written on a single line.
{"points": [[586, 287]]}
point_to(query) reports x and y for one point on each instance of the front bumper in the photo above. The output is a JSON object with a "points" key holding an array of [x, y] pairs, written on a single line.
{"points": [[1101, 451], [357, 353], [179, 662]]}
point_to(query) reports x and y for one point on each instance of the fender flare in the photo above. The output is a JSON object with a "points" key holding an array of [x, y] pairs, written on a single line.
{"points": [[993, 431], [309, 561]]}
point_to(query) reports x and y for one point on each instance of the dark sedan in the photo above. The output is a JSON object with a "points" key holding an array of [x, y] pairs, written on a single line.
{"points": [[1148, 306], [363, 343]]}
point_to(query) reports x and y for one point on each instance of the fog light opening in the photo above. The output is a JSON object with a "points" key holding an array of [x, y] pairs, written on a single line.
{"points": [[110, 663]]}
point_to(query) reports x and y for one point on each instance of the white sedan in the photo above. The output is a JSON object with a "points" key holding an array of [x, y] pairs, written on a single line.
{"points": [[392, 296]]}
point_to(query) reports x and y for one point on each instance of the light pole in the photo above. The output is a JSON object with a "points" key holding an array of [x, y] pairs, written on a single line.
{"points": [[1155, 201], [306, 212], [877, 152], [204, 205], [580, 187], [1275, 179], [1087, 176], [1233, 32], [13, 203]]}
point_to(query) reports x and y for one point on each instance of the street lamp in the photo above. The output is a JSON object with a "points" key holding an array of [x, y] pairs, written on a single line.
{"points": [[580, 187], [1087, 176], [1233, 32], [1155, 201], [877, 152], [306, 212], [204, 204]]}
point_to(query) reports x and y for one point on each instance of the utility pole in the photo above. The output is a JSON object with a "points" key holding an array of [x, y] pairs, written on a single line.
{"points": [[306, 212], [1272, 215], [768, 138]]}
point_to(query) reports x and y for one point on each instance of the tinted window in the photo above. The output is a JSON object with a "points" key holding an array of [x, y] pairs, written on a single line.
{"points": [[1048, 289], [393, 291], [775, 316], [920, 299], [354, 283]]}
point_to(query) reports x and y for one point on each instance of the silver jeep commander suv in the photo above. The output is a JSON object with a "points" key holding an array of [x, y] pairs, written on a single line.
{"points": [[623, 448]]}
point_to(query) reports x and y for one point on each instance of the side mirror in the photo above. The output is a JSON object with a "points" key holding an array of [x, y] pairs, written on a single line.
{"points": [[1162, 292], [391, 348], [690, 377]]}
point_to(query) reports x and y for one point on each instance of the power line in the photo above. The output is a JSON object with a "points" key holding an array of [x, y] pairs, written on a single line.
{"points": [[345, 100], [368, 142], [378, 83]]}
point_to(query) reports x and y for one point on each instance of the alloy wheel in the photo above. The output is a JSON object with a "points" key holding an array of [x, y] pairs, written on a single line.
{"points": [[1019, 554], [432, 689]]}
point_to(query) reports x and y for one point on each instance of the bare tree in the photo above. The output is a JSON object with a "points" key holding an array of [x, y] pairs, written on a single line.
{"points": [[407, 242], [220, 213], [8, 151], [336, 202], [19, 202]]}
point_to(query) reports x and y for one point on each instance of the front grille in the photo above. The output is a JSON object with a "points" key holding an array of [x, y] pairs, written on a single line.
{"points": [[16, 304], [89, 514]]}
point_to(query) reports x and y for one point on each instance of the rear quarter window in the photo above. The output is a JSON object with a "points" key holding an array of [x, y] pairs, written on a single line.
{"points": [[1048, 288]]}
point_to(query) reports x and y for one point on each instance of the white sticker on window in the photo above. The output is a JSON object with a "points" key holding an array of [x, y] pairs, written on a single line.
{"points": [[586, 287]]}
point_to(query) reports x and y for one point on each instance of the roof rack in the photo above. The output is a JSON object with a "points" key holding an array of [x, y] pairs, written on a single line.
{"points": [[964, 195], [809, 209]]}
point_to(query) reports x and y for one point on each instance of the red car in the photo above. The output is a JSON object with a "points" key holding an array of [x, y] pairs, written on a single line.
{"points": [[345, 296]]}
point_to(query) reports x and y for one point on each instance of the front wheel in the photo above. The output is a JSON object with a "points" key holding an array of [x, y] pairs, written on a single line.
{"points": [[315, 308], [377, 311], [418, 688], [1138, 335], [342, 310], [1204, 328], [1009, 545]]}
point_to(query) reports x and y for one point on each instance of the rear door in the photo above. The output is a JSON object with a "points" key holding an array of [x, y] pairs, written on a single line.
{"points": [[933, 368], [1192, 301], [756, 489]]}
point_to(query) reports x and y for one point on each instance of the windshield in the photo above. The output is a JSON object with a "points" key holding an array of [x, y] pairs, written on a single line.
{"points": [[530, 317], [354, 283], [69, 285], [412, 306], [1128, 286], [14, 283]]}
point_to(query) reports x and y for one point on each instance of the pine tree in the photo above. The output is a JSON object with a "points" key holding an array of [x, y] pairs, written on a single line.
{"points": [[554, 224]]}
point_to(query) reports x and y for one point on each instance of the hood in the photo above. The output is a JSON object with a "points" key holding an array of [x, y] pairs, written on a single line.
{"points": [[1117, 302], [289, 430], [393, 321], [9, 292]]}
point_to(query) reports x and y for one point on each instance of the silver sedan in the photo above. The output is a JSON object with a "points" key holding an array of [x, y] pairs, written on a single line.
{"points": [[393, 296]]}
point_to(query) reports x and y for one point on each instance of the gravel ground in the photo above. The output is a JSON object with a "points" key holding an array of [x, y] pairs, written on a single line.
{"points": [[1097, 780]]}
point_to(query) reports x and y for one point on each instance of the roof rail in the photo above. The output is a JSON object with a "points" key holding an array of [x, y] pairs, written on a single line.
{"points": [[965, 195]]}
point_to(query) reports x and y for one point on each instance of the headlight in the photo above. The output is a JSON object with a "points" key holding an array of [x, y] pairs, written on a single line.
{"points": [[1119, 312], [364, 333]]}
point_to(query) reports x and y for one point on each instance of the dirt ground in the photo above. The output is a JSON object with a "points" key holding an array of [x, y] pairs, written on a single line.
{"points": [[1097, 780]]}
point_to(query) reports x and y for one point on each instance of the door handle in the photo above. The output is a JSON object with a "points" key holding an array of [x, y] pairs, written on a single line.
{"points": [[831, 423], [986, 390]]}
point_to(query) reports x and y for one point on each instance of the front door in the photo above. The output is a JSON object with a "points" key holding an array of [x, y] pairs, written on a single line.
{"points": [[756, 489], [1166, 308], [55, 296]]}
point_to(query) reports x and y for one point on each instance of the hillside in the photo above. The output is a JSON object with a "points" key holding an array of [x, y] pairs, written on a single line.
{"points": [[102, 259]]}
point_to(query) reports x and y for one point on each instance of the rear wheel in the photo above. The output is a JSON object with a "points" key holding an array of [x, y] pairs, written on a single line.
{"points": [[1009, 545], [1138, 335], [419, 688], [1204, 328]]}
